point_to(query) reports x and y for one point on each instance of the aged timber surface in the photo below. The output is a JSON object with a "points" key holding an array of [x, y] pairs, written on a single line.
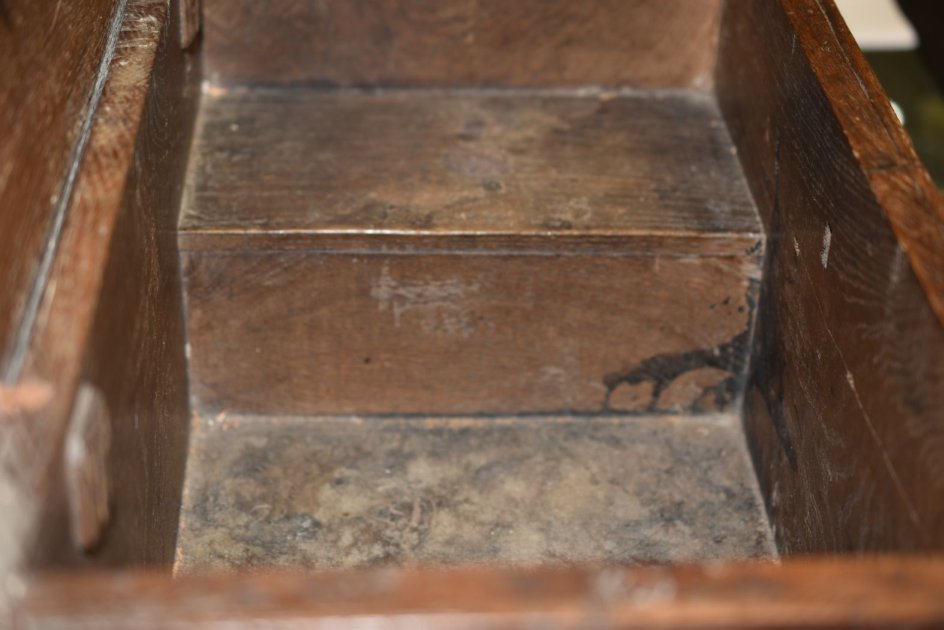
{"points": [[669, 43], [844, 409], [888, 592], [466, 252], [114, 319], [50, 55], [311, 492], [471, 162]]}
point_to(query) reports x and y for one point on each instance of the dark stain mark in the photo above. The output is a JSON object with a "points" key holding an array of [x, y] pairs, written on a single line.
{"points": [[367, 360], [662, 369], [490, 185]]}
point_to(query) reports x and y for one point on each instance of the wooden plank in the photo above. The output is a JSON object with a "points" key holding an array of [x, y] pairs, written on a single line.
{"points": [[50, 53], [897, 592], [459, 333], [843, 411], [112, 315], [464, 162], [483, 42]]}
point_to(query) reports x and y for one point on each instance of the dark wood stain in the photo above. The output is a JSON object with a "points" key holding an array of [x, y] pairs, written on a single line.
{"points": [[661, 370]]}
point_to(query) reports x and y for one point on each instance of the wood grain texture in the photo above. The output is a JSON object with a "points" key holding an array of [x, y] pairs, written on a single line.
{"points": [[464, 162], [669, 43], [466, 252], [112, 314], [49, 58], [844, 408], [823, 593], [374, 333]]}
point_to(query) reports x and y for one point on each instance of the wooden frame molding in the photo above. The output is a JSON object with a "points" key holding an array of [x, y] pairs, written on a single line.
{"points": [[883, 592]]}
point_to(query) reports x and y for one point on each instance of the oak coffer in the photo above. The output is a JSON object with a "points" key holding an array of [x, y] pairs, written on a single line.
{"points": [[473, 313]]}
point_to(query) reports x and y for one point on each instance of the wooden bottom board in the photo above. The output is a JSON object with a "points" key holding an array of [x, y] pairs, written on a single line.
{"points": [[319, 493]]}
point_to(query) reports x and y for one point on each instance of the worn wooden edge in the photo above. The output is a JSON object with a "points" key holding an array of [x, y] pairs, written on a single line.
{"points": [[389, 242], [51, 67], [58, 347], [891, 591], [877, 138]]}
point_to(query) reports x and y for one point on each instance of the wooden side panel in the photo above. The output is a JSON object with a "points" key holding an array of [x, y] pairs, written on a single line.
{"points": [[465, 333], [891, 592], [844, 408], [112, 316], [670, 43], [49, 57]]}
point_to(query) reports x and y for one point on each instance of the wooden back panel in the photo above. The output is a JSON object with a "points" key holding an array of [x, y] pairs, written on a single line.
{"points": [[669, 43], [844, 411]]}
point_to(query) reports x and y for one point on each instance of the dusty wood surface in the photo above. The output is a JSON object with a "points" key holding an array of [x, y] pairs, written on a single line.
{"points": [[844, 411], [473, 162], [332, 493], [460, 42], [113, 314], [50, 54], [885, 592]]}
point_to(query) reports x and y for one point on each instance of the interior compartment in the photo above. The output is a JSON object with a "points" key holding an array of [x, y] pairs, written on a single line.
{"points": [[461, 312], [422, 284]]}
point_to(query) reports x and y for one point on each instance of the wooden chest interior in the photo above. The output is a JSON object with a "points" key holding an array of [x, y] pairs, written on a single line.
{"points": [[348, 285]]}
